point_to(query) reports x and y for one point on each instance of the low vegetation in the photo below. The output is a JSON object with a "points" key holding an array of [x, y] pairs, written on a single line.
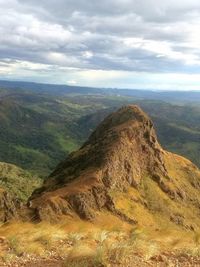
{"points": [[87, 244], [18, 182]]}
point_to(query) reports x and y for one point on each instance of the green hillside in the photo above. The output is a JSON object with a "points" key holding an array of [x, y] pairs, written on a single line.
{"points": [[38, 130], [18, 182]]}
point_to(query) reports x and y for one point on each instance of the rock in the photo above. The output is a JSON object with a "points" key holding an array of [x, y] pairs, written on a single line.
{"points": [[122, 153], [8, 206]]}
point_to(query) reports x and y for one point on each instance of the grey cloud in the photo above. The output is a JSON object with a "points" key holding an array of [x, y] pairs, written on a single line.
{"points": [[153, 10], [60, 32]]}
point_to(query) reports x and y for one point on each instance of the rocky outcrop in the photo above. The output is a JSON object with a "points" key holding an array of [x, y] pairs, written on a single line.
{"points": [[8, 206], [122, 153]]}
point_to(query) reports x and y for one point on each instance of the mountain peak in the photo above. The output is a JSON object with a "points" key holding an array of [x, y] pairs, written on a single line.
{"points": [[125, 117], [121, 161], [126, 138], [125, 114]]}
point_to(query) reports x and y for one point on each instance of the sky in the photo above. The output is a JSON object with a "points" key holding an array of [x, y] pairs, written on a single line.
{"points": [[143, 44]]}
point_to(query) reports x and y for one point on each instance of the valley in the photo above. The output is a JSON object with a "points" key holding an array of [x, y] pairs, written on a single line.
{"points": [[99, 133], [40, 127], [98, 183]]}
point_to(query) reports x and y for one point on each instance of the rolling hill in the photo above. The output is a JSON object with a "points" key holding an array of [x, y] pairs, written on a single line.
{"points": [[38, 128]]}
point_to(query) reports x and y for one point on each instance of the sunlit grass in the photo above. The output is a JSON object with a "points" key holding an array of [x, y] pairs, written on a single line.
{"points": [[90, 244]]}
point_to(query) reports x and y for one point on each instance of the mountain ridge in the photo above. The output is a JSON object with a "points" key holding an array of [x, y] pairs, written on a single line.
{"points": [[122, 165], [64, 89]]}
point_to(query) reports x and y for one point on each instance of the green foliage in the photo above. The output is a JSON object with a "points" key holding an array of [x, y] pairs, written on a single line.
{"points": [[17, 181], [38, 130]]}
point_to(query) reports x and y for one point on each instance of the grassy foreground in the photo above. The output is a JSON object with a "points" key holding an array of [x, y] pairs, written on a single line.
{"points": [[108, 242]]}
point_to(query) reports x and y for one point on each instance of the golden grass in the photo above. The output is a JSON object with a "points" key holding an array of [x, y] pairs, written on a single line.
{"points": [[109, 239], [86, 244]]}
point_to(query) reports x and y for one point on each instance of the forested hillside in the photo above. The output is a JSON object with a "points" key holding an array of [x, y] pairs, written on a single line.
{"points": [[39, 129]]}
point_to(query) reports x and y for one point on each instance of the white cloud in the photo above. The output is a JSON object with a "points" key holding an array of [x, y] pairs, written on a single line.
{"points": [[101, 42], [87, 54], [163, 49]]}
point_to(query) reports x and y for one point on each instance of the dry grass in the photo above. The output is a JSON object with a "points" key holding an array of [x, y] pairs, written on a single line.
{"points": [[85, 244], [82, 240]]}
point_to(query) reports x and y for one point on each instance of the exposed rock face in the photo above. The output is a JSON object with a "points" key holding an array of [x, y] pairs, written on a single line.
{"points": [[122, 153], [8, 206]]}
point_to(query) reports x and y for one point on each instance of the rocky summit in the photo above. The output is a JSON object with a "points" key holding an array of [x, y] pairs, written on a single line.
{"points": [[123, 170]]}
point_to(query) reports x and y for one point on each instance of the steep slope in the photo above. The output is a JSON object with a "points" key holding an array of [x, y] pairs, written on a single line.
{"points": [[47, 121], [122, 169], [177, 127]]}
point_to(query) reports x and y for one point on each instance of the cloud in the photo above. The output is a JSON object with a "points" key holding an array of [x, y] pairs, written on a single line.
{"points": [[92, 38]]}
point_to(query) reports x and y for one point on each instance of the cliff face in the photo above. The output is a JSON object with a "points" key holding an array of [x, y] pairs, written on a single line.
{"points": [[121, 169]]}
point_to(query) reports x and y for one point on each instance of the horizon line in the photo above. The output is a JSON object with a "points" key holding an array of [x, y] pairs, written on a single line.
{"points": [[101, 88]]}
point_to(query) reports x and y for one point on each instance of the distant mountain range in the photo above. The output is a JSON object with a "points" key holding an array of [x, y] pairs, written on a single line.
{"points": [[62, 90]]}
